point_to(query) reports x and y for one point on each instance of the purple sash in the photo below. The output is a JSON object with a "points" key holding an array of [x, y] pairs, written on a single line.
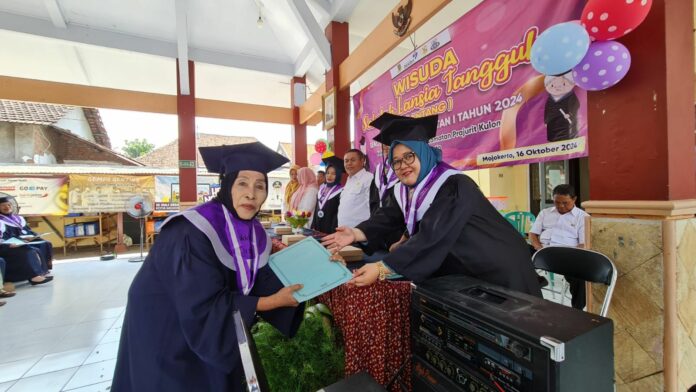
{"points": [[415, 207], [13, 220], [242, 246], [383, 187], [326, 194]]}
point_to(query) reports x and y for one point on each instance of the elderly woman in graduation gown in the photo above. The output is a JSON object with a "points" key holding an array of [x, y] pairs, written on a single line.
{"points": [[326, 212], [178, 332], [16, 227], [452, 227]]}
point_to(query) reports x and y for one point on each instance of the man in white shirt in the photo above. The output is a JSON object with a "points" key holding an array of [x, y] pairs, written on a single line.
{"points": [[562, 225], [355, 198]]}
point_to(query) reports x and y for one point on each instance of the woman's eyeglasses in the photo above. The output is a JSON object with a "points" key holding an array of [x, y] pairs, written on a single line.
{"points": [[407, 158]]}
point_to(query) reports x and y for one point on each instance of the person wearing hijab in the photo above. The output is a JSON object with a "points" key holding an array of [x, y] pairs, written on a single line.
{"points": [[292, 186], [16, 227], [25, 261], [452, 227], [209, 261], [305, 198], [328, 200]]}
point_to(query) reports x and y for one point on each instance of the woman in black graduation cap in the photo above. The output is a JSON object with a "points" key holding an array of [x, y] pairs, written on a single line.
{"points": [[178, 332], [326, 211], [452, 227]]}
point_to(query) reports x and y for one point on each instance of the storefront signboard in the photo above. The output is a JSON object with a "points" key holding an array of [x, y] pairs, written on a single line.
{"points": [[38, 195], [92, 193]]}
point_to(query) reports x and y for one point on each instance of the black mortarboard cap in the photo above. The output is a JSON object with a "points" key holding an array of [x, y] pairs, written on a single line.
{"points": [[393, 127], [247, 156], [6, 199], [334, 161]]}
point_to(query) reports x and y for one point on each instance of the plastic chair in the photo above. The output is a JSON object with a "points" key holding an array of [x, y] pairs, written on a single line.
{"points": [[520, 220], [585, 264]]}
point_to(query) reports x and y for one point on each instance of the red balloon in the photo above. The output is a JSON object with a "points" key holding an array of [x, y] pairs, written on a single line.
{"points": [[320, 146], [611, 19]]}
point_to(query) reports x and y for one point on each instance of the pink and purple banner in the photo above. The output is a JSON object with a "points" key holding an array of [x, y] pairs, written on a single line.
{"points": [[494, 108]]}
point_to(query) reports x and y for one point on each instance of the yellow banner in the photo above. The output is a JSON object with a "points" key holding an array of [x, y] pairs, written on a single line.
{"points": [[38, 195], [107, 193]]}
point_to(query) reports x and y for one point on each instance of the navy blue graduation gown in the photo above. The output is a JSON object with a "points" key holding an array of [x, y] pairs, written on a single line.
{"points": [[387, 238], [461, 233], [178, 332], [328, 223], [21, 263], [44, 248]]}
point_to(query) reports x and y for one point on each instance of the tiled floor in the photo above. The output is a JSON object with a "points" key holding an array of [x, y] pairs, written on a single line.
{"points": [[63, 336]]}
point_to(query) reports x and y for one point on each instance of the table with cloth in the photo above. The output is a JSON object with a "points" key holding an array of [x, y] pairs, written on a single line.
{"points": [[375, 325]]}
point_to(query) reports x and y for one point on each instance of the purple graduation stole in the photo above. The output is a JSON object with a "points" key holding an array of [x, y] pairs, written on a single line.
{"points": [[415, 207], [242, 246], [383, 187], [14, 220], [325, 194]]}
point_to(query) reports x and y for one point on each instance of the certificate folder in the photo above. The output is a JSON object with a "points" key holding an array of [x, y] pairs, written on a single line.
{"points": [[307, 262]]}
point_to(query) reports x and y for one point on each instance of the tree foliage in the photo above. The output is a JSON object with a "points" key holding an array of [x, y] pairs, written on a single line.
{"points": [[137, 147]]}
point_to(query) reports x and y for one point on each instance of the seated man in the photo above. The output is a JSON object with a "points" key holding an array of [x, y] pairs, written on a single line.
{"points": [[562, 225], [15, 226]]}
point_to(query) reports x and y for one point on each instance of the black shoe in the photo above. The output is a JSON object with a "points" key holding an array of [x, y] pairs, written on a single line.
{"points": [[2, 303], [5, 294], [542, 281], [46, 280]]}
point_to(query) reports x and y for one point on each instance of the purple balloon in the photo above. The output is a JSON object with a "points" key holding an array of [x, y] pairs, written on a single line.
{"points": [[604, 65]]}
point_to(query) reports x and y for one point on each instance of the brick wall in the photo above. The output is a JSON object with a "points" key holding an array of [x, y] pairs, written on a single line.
{"points": [[73, 148], [98, 130]]}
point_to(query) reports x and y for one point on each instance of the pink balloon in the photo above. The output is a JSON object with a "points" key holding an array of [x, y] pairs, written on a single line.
{"points": [[604, 65], [315, 159], [611, 19]]}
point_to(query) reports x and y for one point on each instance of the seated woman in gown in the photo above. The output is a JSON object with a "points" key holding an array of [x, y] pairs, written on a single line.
{"points": [[16, 227], [22, 262], [209, 261], [451, 227]]}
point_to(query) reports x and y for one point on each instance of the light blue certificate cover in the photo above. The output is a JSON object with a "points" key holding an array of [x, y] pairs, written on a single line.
{"points": [[307, 262]]}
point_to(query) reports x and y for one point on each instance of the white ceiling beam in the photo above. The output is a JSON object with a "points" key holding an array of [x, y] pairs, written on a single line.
{"points": [[55, 13], [314, 32], [109, 39], [343, 9], [81, 62], [324, 5], [304, 60], [182, 46]]}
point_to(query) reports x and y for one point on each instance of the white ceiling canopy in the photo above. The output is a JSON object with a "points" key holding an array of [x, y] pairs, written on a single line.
{"points": [[245, 50]]}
